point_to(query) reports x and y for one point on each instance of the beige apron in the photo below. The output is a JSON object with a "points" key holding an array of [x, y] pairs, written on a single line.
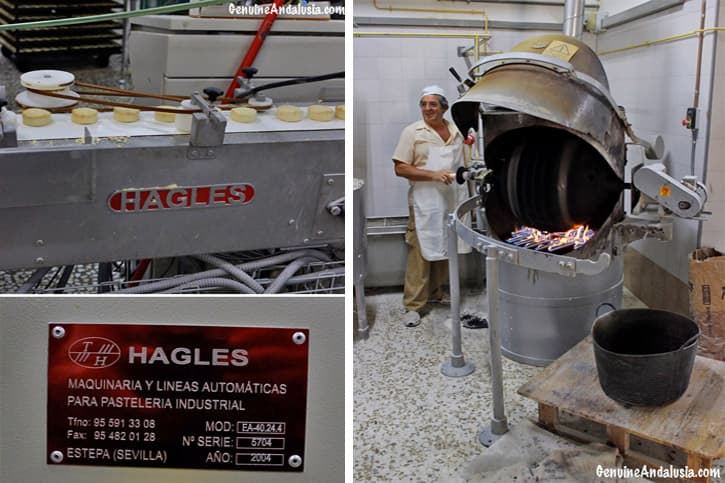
{"points": [[433, 200]]}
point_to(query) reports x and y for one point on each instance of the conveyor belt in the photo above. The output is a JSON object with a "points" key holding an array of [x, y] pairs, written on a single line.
{"points": [[61, 127]]}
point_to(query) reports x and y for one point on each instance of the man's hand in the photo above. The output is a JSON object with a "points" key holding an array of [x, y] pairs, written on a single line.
{"points": [[412, 173], [444, 176]]}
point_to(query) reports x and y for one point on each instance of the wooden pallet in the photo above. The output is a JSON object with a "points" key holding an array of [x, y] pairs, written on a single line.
{"points": [[693, 425]]}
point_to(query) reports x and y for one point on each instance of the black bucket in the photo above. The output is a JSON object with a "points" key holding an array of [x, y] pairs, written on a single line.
{"points": [[644, 357]]}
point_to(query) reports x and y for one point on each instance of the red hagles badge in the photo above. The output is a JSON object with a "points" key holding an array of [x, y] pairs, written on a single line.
{"points": [[180, 197]]}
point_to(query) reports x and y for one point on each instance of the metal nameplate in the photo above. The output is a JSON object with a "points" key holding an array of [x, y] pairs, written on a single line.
{"points": [[134, 200], [177, 396]]}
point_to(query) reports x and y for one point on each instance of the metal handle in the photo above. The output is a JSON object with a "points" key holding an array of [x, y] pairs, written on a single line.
{"points": [[605, 304], [689, 341]]}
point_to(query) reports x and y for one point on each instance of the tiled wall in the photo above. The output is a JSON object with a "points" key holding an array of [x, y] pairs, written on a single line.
{"points": [[389, 75]]}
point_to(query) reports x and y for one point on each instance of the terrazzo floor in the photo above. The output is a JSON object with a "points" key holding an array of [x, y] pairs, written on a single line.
{"points": [[411, 423]]}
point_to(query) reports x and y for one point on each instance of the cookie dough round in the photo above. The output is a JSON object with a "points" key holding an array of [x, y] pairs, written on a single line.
{"points": [[36, 117], [320, 113], [340, 112], [165, 116], [289, 113], [244, 114], [125, 114], [84, 115]]}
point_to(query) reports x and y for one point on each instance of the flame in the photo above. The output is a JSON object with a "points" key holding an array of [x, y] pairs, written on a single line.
{"points": [[528, 237]]}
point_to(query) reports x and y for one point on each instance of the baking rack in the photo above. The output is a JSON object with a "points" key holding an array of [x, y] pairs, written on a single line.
{"points": [[42, 45]]}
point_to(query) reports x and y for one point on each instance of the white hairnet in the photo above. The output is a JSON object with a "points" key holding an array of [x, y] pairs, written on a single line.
{"points": [[427, 91]]}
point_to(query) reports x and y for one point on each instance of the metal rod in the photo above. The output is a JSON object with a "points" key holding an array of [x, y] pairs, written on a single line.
{"points": [[363, 328], [457, 366], [498, 424], [700, 38], [573, 18], [706, 149], [698, 69], [125, 53]]}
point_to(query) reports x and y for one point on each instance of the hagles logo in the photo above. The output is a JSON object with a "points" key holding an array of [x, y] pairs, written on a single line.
{"points": [[94, 352], [133, 200], [99, 353]]}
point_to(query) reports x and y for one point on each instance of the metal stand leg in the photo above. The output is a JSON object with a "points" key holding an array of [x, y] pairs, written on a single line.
{"points": [[363, 328], [498, 425], [457, 366]]}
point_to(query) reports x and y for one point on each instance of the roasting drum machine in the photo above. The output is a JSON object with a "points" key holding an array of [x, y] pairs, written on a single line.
{"points": [[550, 177], [553, 139]]}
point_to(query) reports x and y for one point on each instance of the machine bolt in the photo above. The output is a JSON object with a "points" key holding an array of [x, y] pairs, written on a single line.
{"points": [[56, 456], [39, 243], [510, 257], [684, 205], [329, 181], [294, 461], [306, 240], [291, 222], [299, 339], [39, 260], [570, 265], [194, 153], [320, 232], [58, 333]]}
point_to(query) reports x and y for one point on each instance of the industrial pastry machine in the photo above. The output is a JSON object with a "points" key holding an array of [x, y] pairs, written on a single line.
{"points": [[263, 198], [550, 178]]}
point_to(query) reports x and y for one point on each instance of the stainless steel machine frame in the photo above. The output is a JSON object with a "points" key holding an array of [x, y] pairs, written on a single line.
{"points": [[54, 196], [495, 252]]}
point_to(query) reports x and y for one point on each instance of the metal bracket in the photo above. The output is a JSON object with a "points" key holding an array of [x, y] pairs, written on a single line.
{"points": [[633, 229], [8, 129], [208, 126]]}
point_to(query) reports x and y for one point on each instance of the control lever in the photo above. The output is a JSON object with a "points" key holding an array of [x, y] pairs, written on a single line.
{"points": [[463, 86], [248, 90], [212, 93]]}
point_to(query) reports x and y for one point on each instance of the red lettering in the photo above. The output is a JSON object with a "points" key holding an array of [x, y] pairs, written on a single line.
{"points": [[129, 201]]}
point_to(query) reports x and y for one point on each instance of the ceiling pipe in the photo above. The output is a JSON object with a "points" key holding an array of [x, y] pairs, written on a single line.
{"points": [[573, 18]]}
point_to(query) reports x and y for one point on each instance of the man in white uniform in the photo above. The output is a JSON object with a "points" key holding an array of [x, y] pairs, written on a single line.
{"points": [[428, 153]]}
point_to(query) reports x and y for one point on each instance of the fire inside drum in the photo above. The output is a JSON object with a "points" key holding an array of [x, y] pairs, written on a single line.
{"points": [[548, 179]]}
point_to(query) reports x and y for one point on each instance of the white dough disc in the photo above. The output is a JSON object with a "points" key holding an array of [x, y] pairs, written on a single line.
{"points": [[125, 114], [320, 113], [84, 115], [243, 114], [289, 113], [36, 117], [165, 116]]}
